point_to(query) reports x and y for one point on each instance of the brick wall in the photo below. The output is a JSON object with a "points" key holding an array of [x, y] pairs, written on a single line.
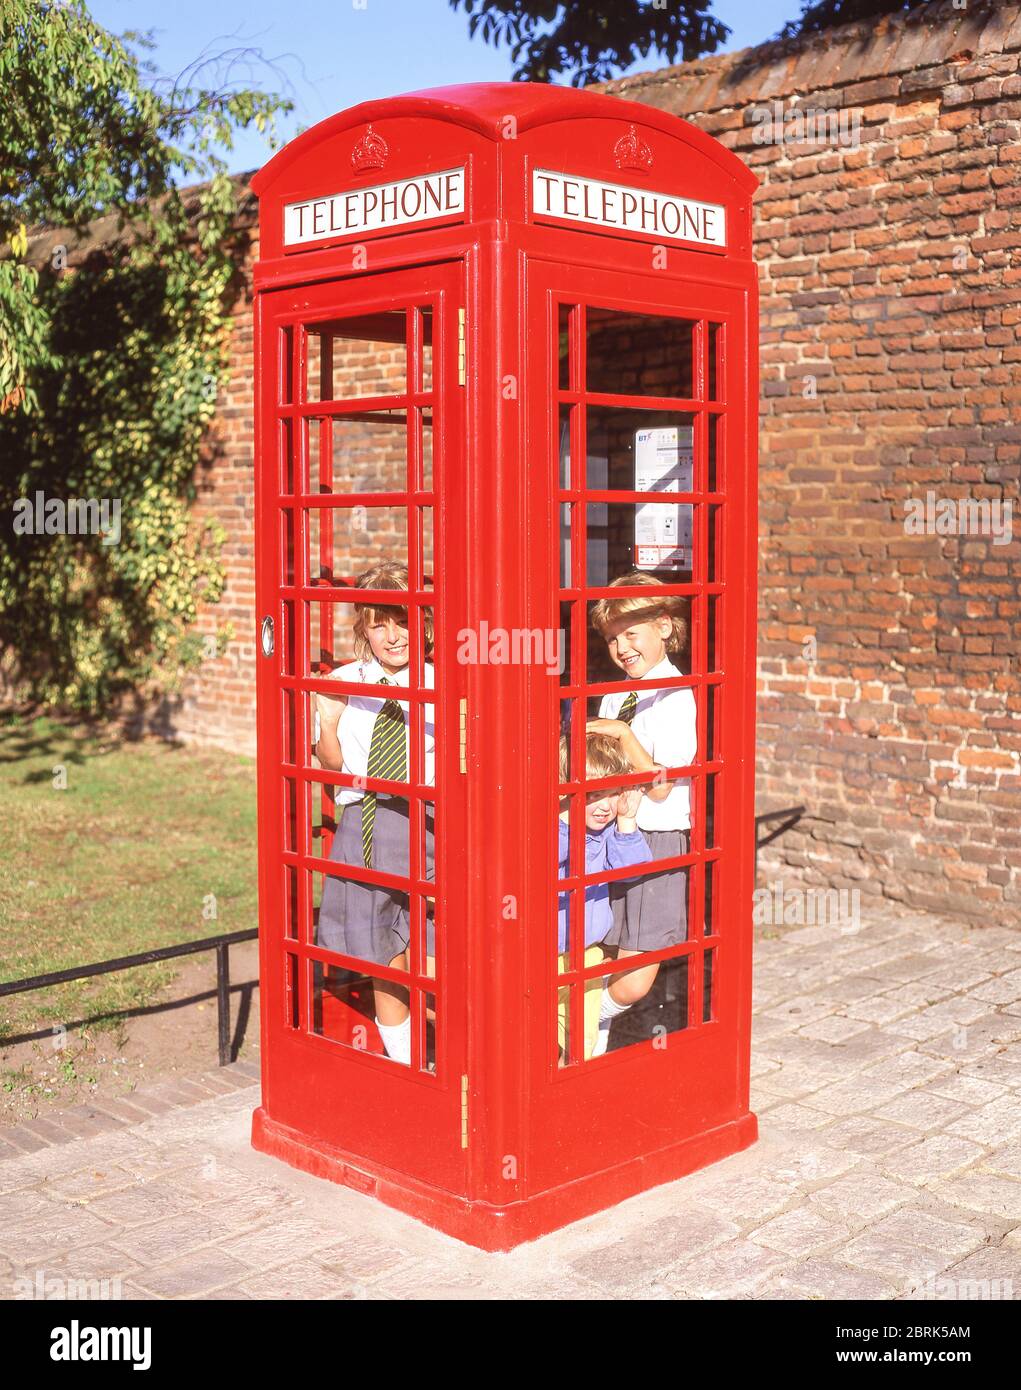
{"points": [[889, 684]]}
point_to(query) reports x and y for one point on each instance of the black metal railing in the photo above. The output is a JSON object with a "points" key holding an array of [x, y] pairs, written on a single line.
{"points": [[220, 944]]}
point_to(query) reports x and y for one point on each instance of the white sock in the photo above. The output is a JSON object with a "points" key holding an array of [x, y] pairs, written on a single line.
{"points": [[609, 1008], [397, 1040]]}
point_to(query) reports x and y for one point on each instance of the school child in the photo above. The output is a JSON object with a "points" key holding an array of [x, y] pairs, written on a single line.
{"points": [[612, 841], [368, 737], [655, 729]]}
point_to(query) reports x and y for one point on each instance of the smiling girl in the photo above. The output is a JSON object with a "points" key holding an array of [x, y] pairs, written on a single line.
{"points": [[655, 729], [362, 736]]}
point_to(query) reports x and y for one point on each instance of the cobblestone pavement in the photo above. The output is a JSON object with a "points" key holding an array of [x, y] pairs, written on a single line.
{"points": [[886, 1076]]}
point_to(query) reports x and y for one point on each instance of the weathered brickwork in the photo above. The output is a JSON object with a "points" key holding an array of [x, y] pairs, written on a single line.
{"points": [[889, 684]]}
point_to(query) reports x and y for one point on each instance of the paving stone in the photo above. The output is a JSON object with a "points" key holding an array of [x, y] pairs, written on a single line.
{"points": [[1006, 989], [615, 1268], [164, 1241], [940, 1156], [993, 1272], [921, 1109], [863, 1134], [862, 1197], [835, 1029], [976, 1039], [927, 1229], [738, 1266], [139, 1204], [798, 1232], [903, 1263], [49, 1131], [1005, 1160], [822, 1279], [89, 1183], [23, 1140], [193, 1277], [980, 1191], [365, 1259], [751, 1198], [798, 1117], [276, 1243], [970, 1090], [801, 1009], [855, 1095], [994, 1123], [48, 1233]]}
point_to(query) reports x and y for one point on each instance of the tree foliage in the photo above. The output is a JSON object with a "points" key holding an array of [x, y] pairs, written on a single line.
{"points": [[108, 371], [817, 15], [592, 41]]}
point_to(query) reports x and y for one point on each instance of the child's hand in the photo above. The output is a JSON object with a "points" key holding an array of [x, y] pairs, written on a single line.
{"points": [[627, 807], [329, 709], [613, 728]]}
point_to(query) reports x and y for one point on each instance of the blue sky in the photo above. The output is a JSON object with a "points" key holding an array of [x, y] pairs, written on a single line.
{"points": [[330, 54]]}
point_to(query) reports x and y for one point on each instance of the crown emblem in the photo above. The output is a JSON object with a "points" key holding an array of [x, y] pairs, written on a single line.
{"points": [[370, 152], [631, 152]]}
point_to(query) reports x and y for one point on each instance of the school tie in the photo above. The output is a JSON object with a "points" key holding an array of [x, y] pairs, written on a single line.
{"points": [[627, 708], [387, 759]]}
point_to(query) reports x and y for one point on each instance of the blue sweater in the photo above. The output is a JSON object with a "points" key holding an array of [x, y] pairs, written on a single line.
{"points": [[604, 849]]}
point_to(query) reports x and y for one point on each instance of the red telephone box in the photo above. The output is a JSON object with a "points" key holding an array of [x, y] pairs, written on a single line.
{"points": [[505, 367]]}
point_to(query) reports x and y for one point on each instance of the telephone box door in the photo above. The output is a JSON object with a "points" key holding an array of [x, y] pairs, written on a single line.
{"points": [[361, 418], [641, 417]]}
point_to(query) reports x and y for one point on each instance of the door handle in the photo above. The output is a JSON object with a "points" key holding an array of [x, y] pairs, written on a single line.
{"points": [[268, 638]]}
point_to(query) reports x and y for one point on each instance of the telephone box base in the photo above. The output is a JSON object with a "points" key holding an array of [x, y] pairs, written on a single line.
{"points": [[495, 1228]]}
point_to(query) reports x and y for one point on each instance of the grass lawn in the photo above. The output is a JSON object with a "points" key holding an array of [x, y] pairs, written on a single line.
{"points": [[123, 859]]}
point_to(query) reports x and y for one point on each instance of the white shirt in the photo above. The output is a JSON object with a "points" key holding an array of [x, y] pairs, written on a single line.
{"points": [[665, 726], [359, 715]]}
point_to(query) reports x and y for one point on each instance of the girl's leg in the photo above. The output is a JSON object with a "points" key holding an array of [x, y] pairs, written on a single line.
{"points": [[391, 999], [633, 985]]}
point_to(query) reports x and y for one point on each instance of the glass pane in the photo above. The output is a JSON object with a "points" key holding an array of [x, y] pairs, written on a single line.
{"points": [[285, 349], [639, 354], [346, 1005], [345, 543], [708, 958], [656, 538], [639, 450], [715, 331], [426, 331], [365, 356], [714, 480], [565, 445], [655, 1000], [563, 346], [287, 470], [632, 637], [370, 454]]}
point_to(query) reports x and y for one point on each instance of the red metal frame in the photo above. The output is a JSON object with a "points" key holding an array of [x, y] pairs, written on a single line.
{"points": [[501, 1141]]}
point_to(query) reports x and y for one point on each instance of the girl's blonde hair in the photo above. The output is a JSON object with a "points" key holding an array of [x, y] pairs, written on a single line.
{"points": [[389, 574], [607, 611], [604, 757]]}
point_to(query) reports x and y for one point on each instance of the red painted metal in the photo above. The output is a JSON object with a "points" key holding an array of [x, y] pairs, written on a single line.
{"points": [[490, 1134]]}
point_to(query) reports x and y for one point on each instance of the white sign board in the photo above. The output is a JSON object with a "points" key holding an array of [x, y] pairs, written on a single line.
{"points": [[570, 198], [663, 532], [423, 198]]}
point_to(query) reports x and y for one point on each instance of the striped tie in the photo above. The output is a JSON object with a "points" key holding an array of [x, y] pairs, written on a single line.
{"points": [[627, 707], [388, 759]]}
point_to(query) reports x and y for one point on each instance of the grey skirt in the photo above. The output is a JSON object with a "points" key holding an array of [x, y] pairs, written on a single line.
{"points": [[361, 919], [651, 912]]}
